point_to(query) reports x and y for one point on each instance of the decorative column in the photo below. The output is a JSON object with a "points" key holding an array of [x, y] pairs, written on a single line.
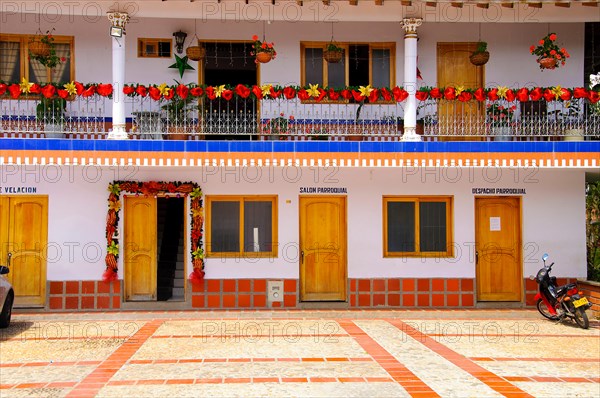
{"points": [[410, 78], [118, 21]]}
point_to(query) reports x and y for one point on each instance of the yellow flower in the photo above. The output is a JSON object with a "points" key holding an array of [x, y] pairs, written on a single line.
{"points": [[557, 91], [164, 89], [502, 91], [313, 90], [113, 249], [365, 91], [219, 90], [196, 192], [266, 89], [116, 205], [114, 188], [25, 86], [70, 87], [197, 212], [459, 89]]}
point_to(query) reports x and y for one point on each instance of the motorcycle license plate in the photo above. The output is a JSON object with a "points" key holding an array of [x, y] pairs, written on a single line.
{"points": [[580, 302]]}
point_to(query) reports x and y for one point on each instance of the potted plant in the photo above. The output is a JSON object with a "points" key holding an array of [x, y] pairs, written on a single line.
{"points": [[177, 120], [499, 118], [571, 118], [549, 54], [263, 51], [278, 127], [41, 49], [333, 53], [51, 112], [480, 56]]}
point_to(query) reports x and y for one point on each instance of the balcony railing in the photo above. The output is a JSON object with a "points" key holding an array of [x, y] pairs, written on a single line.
{"points": [[294, 119]]}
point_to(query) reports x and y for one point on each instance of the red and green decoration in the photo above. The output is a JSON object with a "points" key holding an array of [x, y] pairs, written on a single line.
{"points": [[549, 54], [26, 89], [153, 188]]}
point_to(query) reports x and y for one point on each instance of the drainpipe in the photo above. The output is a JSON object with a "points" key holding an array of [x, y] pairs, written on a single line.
{"points": [[118, 21], [410, 78]]}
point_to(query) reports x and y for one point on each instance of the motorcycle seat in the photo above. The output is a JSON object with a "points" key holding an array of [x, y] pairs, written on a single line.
{"points": [[565, 288]]}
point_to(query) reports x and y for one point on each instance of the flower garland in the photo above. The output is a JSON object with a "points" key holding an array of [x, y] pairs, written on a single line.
{"points": [[154, 188], [312, 92]]}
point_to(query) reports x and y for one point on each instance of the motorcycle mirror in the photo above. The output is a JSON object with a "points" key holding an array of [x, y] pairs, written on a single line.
{"points": [[545, 257]]}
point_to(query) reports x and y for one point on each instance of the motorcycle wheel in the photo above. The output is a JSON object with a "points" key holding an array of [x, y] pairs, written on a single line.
{"points": [[544, 310], [581, 318]]}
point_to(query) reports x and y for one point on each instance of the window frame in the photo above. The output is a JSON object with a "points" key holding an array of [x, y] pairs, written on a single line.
{"points": [[25, 39], [345, 45], [209, 199], [143, 41], [449, 200]]}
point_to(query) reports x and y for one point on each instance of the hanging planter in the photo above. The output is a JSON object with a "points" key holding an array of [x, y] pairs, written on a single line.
{"points": [[39, 49], [550, 55], [195, 53], [480, 56], [263, 51], [333, 54]]}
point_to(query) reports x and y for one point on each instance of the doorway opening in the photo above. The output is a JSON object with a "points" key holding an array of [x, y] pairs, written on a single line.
{"points": [[170, 277], [229, 63]]}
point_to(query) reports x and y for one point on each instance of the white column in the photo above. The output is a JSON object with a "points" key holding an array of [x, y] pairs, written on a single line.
{"points": [[118, 19], [410, 77]]}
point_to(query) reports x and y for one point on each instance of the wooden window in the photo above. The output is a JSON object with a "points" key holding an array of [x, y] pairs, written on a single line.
{"points": [[417, 226], [155, 48], [241, 226], [15, 63], [361, 65]]}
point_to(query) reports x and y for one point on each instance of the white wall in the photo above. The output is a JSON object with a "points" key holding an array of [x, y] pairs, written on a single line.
{"points": [[553, 212], [511, 64]]}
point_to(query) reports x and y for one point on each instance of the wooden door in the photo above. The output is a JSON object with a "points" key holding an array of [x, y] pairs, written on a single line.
{"points": [[456, 118], [323, 266], [24, 239], [498, 248], [140, 248]]}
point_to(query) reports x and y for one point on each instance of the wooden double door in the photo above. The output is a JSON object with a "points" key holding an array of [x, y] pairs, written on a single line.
{"points": [[323, 258], [24, 246]]}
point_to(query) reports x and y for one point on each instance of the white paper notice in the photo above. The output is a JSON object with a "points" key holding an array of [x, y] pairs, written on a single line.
{"points": [[495, 224]]}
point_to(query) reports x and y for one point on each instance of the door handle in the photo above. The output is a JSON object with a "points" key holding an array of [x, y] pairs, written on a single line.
{"points": [[8, 257], [302, 256]]}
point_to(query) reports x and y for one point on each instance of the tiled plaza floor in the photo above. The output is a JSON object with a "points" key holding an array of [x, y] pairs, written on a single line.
{"points": [[478, 353]]}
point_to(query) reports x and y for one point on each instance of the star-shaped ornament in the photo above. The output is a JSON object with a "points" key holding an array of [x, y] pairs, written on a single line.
{"points": [[181, 64]]}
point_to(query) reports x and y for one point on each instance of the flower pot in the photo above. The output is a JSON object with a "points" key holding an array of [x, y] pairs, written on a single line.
{"points": [[479, 59], [195, 53], [39, 49], [548, 63], [333, 57], [574, 135], [263, 58], [501, 133]]}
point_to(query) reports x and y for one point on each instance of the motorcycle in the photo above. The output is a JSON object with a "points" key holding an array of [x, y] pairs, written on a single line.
{"points": [[559, 302]]}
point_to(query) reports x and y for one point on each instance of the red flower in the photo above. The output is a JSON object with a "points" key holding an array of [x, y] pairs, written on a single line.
{"points": [[210, 92], [154, 93], [548, 95], [79, 88], [385, 93], [493, 94], [535, 94], [374, 95], [322, 94], [35, 89], [169, 95], [465, 96], [105, 90], [182, 91], [435, 93], [48, 91], [552, 37], [62, 93], [88, 92], [400, 94], [227, 94], [541, 42], [333, 95], [14, 90], [510, 95], [523, 94], [255, 37], [450, 93], [274, 93], [480, 94], [242, 91], [128, 90], [196, 91], [422, 95], [346, 94], [531, 49], [141, 90], [303, 94], [358, 96], [257, 91], [289, 92], [580, 92], [565, 94], [3, 88], [594, 96]]}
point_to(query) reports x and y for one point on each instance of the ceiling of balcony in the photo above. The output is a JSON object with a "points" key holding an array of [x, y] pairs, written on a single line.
{"points": [[486, 11]]}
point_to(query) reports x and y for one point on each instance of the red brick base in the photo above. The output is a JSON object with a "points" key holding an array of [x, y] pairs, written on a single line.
{"points": [[591, 290], [84, 295]]}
